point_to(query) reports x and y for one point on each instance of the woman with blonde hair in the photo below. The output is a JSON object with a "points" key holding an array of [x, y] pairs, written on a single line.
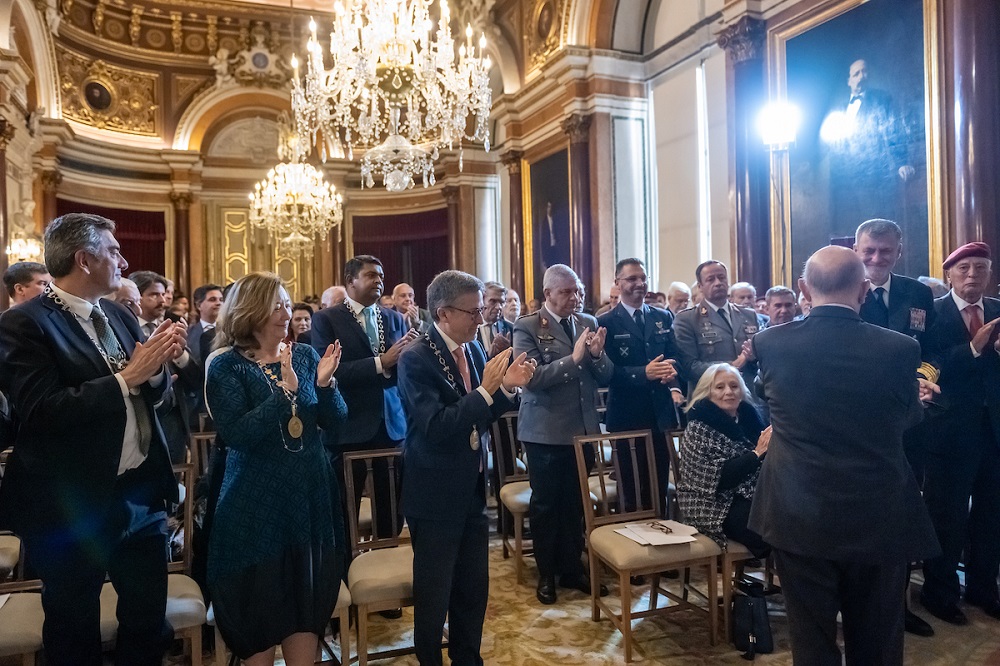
{"points": [[722, 451], [273, 563]]}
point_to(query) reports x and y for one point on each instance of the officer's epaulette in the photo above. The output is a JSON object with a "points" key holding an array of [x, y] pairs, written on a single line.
{"points": [[532, 314]]}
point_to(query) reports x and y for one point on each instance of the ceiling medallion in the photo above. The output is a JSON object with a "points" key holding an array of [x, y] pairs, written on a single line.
{"points": [[392, 91]]}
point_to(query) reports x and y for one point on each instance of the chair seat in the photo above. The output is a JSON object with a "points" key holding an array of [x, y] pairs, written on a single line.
{"points": [[343, 598], [516, 496], [736, 551], [10, 552], [381, 575], [21, 621], [610, 485], [185, 606], [624, 554]]}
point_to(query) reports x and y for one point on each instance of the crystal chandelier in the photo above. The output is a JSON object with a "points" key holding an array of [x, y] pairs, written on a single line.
{"points": [[392, 91], [24, 248], [293, 203]]}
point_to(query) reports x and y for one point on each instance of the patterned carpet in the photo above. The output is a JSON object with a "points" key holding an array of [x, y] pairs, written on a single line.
{"points": [[520, 631]]}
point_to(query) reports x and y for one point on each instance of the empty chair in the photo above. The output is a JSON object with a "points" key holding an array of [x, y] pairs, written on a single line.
{"points": [[515, 490]]}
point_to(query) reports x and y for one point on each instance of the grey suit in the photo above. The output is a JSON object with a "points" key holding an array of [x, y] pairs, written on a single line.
{"points": [[705, 338], [558, 403]]}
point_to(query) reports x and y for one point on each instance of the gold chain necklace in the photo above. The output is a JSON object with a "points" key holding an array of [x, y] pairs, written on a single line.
{"points": [[474, 437], [295, 426]]}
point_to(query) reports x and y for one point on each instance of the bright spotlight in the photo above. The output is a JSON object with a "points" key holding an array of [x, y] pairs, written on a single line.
{"points": [[778, 123]]}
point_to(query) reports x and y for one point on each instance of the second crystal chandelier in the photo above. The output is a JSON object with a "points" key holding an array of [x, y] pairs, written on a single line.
{"points": [[392, 91]]}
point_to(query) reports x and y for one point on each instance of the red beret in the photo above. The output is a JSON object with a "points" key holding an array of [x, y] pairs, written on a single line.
{"points": [[975, 249]]}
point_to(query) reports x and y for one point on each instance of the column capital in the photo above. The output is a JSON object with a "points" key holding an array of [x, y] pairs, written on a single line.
{"points": [[512, 160], [51, 180], [451, 194], [181, 200], [743, 40], [6, 133], [577, 126]]}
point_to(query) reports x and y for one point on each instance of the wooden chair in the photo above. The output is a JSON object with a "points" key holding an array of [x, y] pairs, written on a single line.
{"points": [[381, 574], [515, 490], [627, 558], [21, 620], [200, 446], [601, 403], [186, 611], [10, 556]]}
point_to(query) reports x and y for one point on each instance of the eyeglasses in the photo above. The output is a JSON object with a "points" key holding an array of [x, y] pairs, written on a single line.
{"points": [[659, 527], [477, 313]]}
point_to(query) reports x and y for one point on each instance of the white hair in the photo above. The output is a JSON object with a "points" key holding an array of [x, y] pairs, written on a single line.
{"points": [[557, 274]]}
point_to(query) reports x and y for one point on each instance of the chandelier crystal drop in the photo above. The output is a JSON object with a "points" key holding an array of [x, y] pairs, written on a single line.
{"points": [[294, 204], [395, 90]]}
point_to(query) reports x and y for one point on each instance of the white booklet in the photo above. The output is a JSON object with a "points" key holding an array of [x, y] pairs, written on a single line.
{"points": [[3, 599], [658, 532]]}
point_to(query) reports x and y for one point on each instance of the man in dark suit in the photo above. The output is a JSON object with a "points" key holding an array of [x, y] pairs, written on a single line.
{"points": [[644, 391], [372, 338], [90, 473], [964, 457], [495, 332], [404, 302], [836, 498], [558, 403], [715, 330], [451, 394], [903, 305]]}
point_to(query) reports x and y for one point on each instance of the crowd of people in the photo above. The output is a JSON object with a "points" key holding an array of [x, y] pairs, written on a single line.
{"points": [[813, 421]]}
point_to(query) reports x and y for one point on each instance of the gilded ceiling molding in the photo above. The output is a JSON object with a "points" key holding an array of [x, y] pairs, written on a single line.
{"points": [[542, 30], [42, 60]]}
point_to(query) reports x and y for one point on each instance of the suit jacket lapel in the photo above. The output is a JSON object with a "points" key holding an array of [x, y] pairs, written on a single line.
{"points": [[121, 332], [449, 359], [650, 325], [555, 327], [66, 323], [717, 319], [627, 321], [899, 317], [353, 324], [954, 319]]}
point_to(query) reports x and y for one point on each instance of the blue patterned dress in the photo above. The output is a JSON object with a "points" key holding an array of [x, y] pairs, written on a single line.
{"points": [[273, 561]]}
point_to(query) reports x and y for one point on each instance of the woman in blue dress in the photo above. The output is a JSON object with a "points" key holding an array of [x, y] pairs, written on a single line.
{"points": [[273, 565]]}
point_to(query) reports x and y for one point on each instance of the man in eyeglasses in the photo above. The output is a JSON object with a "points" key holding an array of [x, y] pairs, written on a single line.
{"points": [[558, 403]]}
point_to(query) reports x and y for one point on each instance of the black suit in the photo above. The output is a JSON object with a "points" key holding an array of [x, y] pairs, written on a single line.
{"points": [[836, 497], [444, 496], [79, 519], [371, 397], [964, 459], [635, 402]]}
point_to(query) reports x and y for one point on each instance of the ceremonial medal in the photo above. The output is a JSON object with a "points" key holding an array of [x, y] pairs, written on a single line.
{"points": [[295, 427], [918, 319], [474, 439]]}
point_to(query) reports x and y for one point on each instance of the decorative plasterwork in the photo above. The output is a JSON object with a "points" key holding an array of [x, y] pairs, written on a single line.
{"points": [[253, 139], [542, 30], [107, 97], [743, 40]]}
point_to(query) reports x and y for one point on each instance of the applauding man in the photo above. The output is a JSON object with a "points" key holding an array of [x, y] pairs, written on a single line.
{"points": [[451, 395]]}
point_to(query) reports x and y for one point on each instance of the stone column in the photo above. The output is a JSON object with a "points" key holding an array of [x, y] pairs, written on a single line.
{"points": [[749, 176], [6, 134], [971, 98], [453, 199], [182, 241], [577, 126], [512, 160], [50, 187]]}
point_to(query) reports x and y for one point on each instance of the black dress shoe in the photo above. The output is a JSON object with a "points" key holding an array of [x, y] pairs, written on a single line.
{"points": [[392, 613], [989, 606], [914, 624], [950, 613], [546, 591], [581, 583]]}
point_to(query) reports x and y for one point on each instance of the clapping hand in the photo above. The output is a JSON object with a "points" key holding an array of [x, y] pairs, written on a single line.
{"points": [[595, 343], [494, 370], [148, 357], [328, 364], [927, 390], [660, 370], [500, 342], [289, 380], [580, 346], [982, 336], [519, 373]]}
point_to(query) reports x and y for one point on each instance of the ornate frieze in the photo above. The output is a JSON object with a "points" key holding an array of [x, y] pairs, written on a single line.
{"points": [[542, 29], [107, 96]]}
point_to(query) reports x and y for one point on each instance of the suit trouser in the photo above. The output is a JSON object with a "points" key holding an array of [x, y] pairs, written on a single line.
{"points": [[964, 464], [451, 579], [627, 482], [866, 595], [556, 508], [130, 546]]}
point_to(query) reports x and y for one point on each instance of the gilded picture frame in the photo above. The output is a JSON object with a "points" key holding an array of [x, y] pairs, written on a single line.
{"points": [[865, 77], [547, 205]]}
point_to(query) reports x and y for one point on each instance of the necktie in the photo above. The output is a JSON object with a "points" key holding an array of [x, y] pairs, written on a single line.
{"points": [[879, 311], [109, 343], [725, 316], [567, 326], [637, 315], [148, 328], [463, 366], [975, 319], [371, 328]]}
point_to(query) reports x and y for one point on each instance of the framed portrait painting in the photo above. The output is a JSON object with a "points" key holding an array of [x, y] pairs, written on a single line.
{"points": [[860, 74], [547, 215]]}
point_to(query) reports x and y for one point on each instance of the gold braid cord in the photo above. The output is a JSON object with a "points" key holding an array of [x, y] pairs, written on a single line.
{"points": [[928, 372]]}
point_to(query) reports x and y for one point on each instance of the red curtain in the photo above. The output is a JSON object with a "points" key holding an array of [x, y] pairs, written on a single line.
{"points": [[413, 248], [141, 233]]}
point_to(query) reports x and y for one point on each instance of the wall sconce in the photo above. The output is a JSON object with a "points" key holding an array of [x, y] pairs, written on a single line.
{"points": [[24, 249]]}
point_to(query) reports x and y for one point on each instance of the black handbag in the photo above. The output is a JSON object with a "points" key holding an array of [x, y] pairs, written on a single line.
{"points": [[751, 626]]}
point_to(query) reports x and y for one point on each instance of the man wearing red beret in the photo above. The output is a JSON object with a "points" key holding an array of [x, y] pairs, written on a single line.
{"points": [[964, 457]]}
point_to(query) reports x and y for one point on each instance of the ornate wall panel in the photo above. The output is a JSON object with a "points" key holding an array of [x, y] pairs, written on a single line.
{"points": [[106, 96]]}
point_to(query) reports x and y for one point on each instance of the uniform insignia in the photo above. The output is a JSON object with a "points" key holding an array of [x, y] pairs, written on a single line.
{"points": [[704, 311], [544, 337], [918, 319], [750, 329], [659, 324], [624, 350], [546, 358], [545, 322]]}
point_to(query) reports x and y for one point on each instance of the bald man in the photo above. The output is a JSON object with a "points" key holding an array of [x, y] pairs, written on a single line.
{"points": [[405, 303], [334, 295], [836, 498]]}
